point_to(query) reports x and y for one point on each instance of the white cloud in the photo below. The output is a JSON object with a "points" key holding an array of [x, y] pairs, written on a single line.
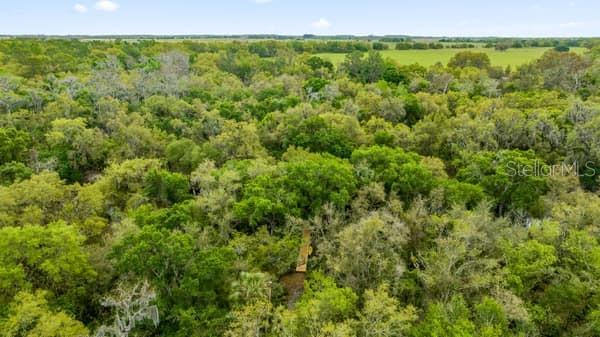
{"points": [[573, 24], [262, 1], [106, 5], [79, 8], [322, 23]]}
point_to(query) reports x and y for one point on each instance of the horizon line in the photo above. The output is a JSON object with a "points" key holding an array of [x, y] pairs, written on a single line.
{"points": [[302, 36]]}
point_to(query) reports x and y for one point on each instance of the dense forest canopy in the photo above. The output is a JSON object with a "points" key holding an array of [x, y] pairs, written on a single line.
{"points": [[166, 188]]}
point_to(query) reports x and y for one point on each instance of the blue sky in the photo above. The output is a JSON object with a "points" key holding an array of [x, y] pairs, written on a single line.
{"points": [[361, 17]]}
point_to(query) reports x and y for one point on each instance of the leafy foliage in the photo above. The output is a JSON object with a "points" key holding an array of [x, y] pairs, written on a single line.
{"points": [[176, 180]]}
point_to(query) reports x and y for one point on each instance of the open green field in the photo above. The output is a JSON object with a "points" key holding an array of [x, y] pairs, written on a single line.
{"points": [[512, 57]]}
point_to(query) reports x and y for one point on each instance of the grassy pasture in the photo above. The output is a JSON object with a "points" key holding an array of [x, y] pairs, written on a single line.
{"points": [[512, 57]]}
